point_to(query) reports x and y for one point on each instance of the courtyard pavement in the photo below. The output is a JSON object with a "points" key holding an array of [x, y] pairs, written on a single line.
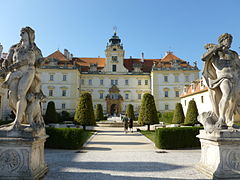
{"points": [[112, 154]]}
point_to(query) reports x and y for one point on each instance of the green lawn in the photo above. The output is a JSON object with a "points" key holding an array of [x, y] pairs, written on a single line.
{"points": [[149, 134]]}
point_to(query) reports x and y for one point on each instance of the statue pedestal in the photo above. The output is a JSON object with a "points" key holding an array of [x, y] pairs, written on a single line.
{"points": [[220, 154], [22, 157]]}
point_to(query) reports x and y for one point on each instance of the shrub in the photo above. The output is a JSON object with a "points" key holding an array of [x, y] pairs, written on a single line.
{"points": [[166, 117], [65, 116], [66, 138], [174, 138], [192, 113], [99, 113], [130, 112], [51, 114], [159, 114], [178, 116], [148, 111], [84, 114]]}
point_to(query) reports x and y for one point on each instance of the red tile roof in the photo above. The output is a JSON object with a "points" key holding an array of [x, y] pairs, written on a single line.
{"points": [[58, 55], [194, 88], [84, 62]]}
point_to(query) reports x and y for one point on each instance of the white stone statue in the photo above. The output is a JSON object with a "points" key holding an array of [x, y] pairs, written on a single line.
{"points": [[23, 82], [222, 76]]}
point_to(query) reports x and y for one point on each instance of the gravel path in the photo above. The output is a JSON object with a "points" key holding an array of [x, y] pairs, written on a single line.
{"points": [[112, 154]]}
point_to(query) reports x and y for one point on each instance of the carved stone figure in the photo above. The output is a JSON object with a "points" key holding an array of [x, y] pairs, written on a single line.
{"points": [[222, 76], [22, 142], [23, 82]]}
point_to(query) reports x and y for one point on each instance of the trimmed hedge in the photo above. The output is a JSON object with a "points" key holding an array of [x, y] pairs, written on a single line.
{"points": [[179, 137], [66, 138]]}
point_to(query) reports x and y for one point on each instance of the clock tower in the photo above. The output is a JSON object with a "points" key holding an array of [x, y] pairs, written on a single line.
{"points": [[114, 56]]}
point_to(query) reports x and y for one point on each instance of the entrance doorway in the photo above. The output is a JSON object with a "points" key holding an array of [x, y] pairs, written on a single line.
{"points": [[113, 109]]}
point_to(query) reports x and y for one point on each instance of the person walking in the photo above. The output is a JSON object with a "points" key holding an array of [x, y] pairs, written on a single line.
{"points": [[131, 125], [125, 124]]}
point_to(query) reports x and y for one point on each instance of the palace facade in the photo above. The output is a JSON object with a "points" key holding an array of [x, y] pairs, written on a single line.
{"points": [[114, 81]]}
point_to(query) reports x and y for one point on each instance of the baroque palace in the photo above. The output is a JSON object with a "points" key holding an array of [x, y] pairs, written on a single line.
{"points": [[113, 81]]}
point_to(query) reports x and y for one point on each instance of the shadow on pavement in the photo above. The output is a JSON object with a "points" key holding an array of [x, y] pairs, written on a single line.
{"points": [[96, 149], [117, 143], [128, 134], [101, 176], [114, 166]]}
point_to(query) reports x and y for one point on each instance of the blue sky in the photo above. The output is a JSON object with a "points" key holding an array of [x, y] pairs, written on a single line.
{"points": [[149, 26]]}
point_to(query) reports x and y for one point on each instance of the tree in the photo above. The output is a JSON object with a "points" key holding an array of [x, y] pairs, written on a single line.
{"points": [[51, 114], [130, 112], [148, 111], [178, 116], [99, 112], [84, 114], [192, 113]]}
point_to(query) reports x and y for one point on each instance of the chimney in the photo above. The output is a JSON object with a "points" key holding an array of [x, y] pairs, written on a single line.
{"points": [[66, 54], [142, 59]]}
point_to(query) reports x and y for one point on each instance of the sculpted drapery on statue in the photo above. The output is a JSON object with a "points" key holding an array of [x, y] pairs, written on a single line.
{"points": [[23, 82], [222, 75]]}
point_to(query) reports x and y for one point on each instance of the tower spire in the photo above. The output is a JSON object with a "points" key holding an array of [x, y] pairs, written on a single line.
{"points": [[115, 30]]}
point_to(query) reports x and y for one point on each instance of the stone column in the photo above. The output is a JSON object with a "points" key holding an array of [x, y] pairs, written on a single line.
{"points": [[220, 154]]}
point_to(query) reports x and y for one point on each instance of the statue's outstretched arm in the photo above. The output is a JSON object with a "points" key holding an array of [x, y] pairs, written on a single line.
{"points": [[210, 53]]}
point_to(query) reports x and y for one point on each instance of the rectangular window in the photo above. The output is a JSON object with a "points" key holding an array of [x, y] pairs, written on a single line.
{"points": [[82, 81], [114, 82], [64, 92], [101, 81], [90, 82], [187, 78], [202, 100], [177, 93], [146, 82], [63, 106], [176, 78], [101, 95], [126, 96], [166, 107], [165, 78], [139, 82], [50, 93], [185, 102], [139, 96], [114, 68], [126, 81], [64, 77], [165, 93], [51, 78]]}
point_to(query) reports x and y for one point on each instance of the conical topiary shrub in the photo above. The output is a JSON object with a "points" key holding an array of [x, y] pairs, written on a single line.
{"points": [[84, 114], [192, 114], [130, 112], [99, 112], [51, 114], [178, 116], [148, 111]]}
